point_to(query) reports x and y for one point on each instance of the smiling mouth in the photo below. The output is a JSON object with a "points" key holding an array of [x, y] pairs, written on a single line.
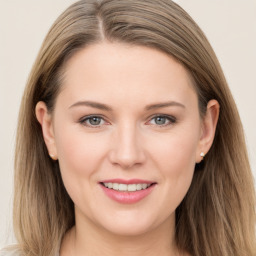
{"points": [[127, 191], [126, 187]]}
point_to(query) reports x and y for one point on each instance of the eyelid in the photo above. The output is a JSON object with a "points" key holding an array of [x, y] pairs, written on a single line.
{"points": [[171, 118], [83, 120]]}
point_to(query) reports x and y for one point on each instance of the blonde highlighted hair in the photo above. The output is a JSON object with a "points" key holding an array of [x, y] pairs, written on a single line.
{"points": [[217, 216]]}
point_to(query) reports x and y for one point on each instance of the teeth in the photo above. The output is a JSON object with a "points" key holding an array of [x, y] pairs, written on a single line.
{"points": [[138, 187], [122, 187], [125, 187], [144, 186], [115, 186], [132, 187]]}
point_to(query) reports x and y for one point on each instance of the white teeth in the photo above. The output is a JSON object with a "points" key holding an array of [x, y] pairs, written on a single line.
{"points": [[138, 186], [144, 186], [115, 186], [122, 187], [125, 187], [132, 187]]}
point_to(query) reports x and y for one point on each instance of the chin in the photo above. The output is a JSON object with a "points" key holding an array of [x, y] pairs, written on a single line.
{"points": [[128, 230], [133, 226]]}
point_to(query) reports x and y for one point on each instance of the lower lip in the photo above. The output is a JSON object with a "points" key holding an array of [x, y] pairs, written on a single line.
{"points": [[127, 197]]}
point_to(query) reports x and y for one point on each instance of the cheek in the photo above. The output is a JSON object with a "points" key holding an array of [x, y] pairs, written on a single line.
{"points": [[78, 152], [175, 160], [175, 152], [79, 156]]}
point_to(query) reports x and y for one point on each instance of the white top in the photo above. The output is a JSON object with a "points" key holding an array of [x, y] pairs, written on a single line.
{"points": [[5, 252], [9, 253]]}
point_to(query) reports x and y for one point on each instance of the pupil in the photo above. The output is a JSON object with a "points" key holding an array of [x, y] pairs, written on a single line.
{"points": [[95, 120], [160, 120]]}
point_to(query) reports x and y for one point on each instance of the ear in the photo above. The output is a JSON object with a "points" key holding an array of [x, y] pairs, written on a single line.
{"points": [[46, 121], [209, 124]]}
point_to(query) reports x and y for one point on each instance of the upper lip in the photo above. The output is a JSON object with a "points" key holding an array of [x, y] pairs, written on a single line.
{"points": [[130, 181]]}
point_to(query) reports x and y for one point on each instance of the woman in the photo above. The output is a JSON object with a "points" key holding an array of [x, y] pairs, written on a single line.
{"points": [[129, 141]]}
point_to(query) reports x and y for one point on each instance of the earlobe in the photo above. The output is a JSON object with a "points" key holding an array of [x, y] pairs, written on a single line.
{"points": [[209, 124], [46, 121]]}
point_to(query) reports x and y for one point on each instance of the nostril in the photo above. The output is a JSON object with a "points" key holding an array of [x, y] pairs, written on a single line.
{"points": [[126, 156]]}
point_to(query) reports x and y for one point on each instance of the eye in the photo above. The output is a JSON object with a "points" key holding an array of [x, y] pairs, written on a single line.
{"points": [[162, 120], [92, 121]]}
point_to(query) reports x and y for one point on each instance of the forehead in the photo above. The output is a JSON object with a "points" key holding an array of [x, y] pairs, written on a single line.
{"points": [[125, 71]]}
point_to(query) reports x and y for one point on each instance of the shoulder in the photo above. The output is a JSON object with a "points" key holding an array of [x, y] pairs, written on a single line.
{"points": [[12, 251], [9, 252]]}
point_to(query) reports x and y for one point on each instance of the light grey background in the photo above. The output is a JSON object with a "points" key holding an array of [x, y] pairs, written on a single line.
{"points": [[230, 26]]}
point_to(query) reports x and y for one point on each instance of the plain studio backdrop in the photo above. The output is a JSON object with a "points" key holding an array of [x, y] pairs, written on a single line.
{"points": [[230, 26]]}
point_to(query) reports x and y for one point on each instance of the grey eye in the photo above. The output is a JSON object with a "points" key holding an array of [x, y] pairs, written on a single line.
{"points": [[94, 120], [160, 120]]}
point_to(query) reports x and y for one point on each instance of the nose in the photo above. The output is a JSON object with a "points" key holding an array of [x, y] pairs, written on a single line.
{"points": [[127, 149]]}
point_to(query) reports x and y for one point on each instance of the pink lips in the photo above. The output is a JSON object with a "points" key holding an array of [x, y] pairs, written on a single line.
{"points": [[126, 197]]}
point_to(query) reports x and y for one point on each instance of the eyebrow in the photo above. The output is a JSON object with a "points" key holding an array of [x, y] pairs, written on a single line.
{"points": [[92, 104], [105, 107], [164, 105]]}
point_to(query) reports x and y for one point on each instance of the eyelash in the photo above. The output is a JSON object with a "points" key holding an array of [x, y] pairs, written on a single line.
{"points": [[84, 120], [171, 120]]}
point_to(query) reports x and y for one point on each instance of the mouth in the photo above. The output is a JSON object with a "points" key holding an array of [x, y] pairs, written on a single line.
{"points": [[126, 187], [127, 191]]}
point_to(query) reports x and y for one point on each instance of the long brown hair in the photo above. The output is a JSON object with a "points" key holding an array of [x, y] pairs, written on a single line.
{"points": [[217, 216]]}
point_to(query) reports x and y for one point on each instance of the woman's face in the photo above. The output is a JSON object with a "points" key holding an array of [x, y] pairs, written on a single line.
{"points": [[126, 116]]}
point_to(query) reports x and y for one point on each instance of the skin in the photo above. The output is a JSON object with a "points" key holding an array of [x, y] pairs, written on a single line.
{"points": [[128, 143]]}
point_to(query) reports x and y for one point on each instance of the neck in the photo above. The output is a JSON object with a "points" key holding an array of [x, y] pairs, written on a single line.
{"points": [[88, 239]]}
